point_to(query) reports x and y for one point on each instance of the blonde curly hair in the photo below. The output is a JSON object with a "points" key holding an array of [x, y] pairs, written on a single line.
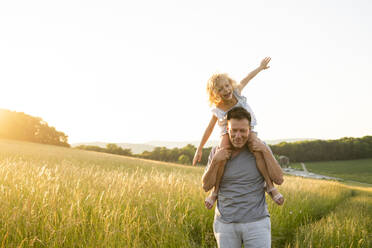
{"points": [[214, 99]]}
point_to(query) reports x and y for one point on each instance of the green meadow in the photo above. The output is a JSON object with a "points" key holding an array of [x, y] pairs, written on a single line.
{"points": [[359, 170], [60, 197]]}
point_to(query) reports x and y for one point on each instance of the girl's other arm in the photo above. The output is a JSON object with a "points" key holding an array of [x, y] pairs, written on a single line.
{"points": [[207, 133], [252, 74]]}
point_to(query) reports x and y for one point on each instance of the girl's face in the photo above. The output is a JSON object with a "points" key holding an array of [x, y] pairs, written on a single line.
{"points": [[224, 90]]}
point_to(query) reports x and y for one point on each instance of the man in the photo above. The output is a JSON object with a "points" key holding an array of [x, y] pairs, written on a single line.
{"points": [[241, 215]]}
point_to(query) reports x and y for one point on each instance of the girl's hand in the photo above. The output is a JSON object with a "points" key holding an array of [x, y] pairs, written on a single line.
{"points": [[197, 156], [255, 144], [264, 63], [222, 154]]}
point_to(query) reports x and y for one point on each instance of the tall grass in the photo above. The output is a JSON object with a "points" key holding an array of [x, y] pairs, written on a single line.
{"points": [[350, 225], [306, 200], [62, 205], [59, 197]]}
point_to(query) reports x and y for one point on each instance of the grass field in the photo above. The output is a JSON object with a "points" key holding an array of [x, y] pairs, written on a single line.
{"points": [[60, 197], [355, 170]]}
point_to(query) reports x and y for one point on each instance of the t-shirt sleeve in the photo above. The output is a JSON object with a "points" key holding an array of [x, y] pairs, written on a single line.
{"points": [[210, 157]]}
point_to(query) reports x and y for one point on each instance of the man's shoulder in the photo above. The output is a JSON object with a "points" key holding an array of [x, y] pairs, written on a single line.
{"points": [[213, 150], [211, 154]]}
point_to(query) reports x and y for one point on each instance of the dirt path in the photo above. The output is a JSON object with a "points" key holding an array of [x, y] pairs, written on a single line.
{"points": [[306, 173]]}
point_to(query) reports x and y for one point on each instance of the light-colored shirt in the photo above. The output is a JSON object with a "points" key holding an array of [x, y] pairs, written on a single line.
{"points": [[221, 115]]}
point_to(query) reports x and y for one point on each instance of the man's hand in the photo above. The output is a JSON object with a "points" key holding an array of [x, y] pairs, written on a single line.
{"points": [[197, 156], [264, 63]]}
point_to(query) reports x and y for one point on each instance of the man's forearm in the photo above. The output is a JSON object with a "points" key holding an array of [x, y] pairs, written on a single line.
{"points": [[274, 169], [209, 177]]}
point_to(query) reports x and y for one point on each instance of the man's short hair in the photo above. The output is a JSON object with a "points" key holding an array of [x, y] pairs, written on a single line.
{"points": [[239, 113]]}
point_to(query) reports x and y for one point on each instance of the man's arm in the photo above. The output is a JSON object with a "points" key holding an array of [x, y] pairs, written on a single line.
{"points": [[273, 167], [215, 158]]}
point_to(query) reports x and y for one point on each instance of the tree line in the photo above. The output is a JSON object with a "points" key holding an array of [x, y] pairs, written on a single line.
{"points": [[20, 126], [301, 151], [326, 150], [182, 155], [110, 148]]}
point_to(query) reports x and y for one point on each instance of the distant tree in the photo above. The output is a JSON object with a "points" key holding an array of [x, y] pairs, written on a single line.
{"points": [[184, 159], [188, 151], [115, 149], [182, 155], [20, 126], [127, 152], [110, 148], [174, 154], [205, 155], [91, 148], [325, 150]]}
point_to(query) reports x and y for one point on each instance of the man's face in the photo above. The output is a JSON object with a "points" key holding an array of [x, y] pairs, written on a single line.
{"points": [[238, 132]]}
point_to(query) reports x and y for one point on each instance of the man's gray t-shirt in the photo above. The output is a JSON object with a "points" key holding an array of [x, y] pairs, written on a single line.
{"points": [[241, 197]]}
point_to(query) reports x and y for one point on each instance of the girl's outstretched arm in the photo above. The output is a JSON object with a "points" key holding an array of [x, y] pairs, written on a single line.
{"points": [[252, 74], [207, 133]]}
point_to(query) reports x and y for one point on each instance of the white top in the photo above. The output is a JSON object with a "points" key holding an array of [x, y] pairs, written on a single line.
{"points": [[221, 115]]}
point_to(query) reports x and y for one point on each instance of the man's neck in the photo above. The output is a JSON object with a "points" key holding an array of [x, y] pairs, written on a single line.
{"points": [[236, 151]]}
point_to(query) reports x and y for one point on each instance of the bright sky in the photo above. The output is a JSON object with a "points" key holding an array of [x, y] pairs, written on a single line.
{"points": [[136, 71]]}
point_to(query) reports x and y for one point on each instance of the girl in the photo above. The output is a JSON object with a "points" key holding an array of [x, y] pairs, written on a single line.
{"points": [[225, 94]]}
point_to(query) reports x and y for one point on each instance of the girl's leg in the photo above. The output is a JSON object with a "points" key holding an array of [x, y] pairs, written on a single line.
{"points": [[211, 199], [262, 168]]}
